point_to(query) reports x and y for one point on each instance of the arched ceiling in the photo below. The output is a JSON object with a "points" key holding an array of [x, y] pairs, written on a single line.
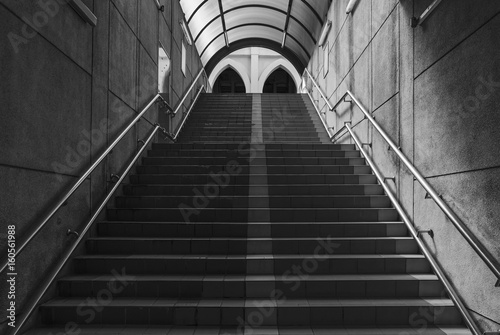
{"points": [[219, 27]]}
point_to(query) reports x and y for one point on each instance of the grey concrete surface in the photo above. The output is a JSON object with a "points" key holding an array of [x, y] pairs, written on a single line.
{"points": [[435, 90], [69, 87]]}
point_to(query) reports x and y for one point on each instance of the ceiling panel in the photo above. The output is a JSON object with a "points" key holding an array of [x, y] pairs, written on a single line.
{"points": [[255, 20]]}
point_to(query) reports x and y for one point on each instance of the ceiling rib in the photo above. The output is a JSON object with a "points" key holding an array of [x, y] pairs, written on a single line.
{"points": [[314, 11], [196, 10], [256, 24], [223, 23], [309, 33], [287, 21]]}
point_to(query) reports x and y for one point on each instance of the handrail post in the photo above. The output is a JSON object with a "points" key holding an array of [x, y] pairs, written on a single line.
{"points": [[319, 89], [174, 137]]}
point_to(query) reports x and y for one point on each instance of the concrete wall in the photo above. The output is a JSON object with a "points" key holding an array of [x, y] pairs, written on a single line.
{"points": [[66, 91], [435, 90]]}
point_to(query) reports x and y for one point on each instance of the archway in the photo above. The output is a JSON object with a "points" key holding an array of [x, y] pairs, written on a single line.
{"points": [[229, 81], [279, 81], [236, 66], [277, 64]]}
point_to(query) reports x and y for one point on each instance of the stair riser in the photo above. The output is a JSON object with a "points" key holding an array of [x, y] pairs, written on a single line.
{"points": [[131, 229], [190, 214], [242, 202], [242, 179], [270, 161], [234, 316], [239, 289], [232, 146], [271, 170], [269, 153], [236, 247], [238, 266], [273, 190]]}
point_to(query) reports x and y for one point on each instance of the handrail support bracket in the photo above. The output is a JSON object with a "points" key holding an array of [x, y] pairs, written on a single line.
{"points": [[426, 231]]}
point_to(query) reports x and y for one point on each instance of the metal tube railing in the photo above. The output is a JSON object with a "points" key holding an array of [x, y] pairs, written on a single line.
{"points": [[478, 247], [323, 121], [53, 275], [435, 266], [87, 173], [319, 89], [174, 136], [179, 105], [417, 21], [350, 6]]}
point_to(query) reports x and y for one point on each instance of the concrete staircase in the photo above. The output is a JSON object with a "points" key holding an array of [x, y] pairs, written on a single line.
{"points": [[250, 225]]}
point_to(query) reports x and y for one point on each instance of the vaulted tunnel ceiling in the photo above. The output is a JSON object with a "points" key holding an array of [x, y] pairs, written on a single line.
{"points": [[219, 27]]}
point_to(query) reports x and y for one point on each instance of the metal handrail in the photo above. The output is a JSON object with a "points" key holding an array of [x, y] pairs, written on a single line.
{"points": [[80, 181], [435, 266], [179, 105], [319, 89], [350, 6], [53, 275], [417, 21], [174, 136], [319, 114], [478, 247]]}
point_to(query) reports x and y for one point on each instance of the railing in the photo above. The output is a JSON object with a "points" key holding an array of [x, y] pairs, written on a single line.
{"points": [[490, 261], [173, 136], [417, 21], [350, 6], [54, 273], [176, 134], [32, 304], [319, 89], [478, 247], [80, 181], [435, 266]]}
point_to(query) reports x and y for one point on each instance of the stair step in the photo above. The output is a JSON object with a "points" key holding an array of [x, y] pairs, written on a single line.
{"points": [[285, 312], [234, 229], [84, 329], [255, 264], [240, 246], [258, 286], [225, 178], [256, 169], [242, 189], [372, 201], [188, 212]]}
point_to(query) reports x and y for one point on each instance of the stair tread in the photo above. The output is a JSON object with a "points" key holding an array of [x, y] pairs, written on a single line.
{"points": [[256, 256], [249, 302], [261, 330], [388, 238], [311, 277]]}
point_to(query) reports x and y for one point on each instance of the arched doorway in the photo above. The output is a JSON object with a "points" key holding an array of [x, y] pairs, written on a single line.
{"points": [[229, 81], [279, 82]]}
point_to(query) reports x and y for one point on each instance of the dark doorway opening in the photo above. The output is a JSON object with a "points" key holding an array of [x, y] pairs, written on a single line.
{"points": [[279, 82], [229, 81]]}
